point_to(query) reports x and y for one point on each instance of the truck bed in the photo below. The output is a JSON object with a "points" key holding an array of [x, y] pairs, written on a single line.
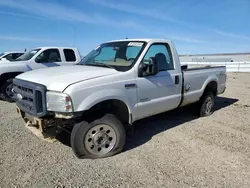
{"points": [[197, 78]]}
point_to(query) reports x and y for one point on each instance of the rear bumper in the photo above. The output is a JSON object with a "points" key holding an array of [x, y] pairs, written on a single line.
{"points": [[222, 89]]}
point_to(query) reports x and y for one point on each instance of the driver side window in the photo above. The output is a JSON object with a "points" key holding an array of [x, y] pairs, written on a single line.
{"points": [[163, 56], [50, 55]]}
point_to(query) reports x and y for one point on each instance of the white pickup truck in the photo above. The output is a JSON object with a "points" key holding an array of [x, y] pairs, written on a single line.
{"points": [[115, 85], [37, 58]]}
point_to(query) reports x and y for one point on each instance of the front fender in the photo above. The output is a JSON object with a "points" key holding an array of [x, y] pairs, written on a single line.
{"points": [[100, 96]]}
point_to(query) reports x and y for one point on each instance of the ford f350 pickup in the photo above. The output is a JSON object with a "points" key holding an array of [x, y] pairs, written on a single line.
{"points": [[113, 86]]}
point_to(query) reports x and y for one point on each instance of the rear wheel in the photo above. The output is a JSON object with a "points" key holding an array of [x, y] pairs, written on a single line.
{"points": [[206, 105], [101, 138], [6, 90]]}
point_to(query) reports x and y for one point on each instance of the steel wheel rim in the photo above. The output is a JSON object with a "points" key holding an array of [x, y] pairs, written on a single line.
{"points": [[208, 105], [100, 139], [8, 90]]}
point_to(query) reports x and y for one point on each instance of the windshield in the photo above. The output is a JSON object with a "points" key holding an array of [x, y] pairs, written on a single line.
{"points": [[28, 55], [1, 54], [118, 55]]}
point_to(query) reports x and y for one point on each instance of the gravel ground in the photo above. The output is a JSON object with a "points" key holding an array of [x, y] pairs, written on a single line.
{"points": [[174, 149]]}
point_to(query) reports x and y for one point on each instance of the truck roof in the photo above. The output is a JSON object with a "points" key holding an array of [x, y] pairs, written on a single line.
{"points": [[58, 47], [13, 52], [142, 40]]}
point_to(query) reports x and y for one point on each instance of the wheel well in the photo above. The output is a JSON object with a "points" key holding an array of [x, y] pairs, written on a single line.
{"points": [[114, 106], [9, 75], [211, 87]]}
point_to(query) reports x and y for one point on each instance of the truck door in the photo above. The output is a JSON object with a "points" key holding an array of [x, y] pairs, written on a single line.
{"points": [[47, 58], [161, 92]]}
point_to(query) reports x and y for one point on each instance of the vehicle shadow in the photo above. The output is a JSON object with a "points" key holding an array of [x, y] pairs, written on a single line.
{"points": [[2, 98], [144, 130]]}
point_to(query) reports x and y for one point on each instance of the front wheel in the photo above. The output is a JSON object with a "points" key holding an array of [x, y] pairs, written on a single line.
{"points": [[206, 105], [6, 91], [101, 138]]}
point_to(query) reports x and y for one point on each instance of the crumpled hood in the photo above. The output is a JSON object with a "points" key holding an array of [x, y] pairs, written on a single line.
{"points": [[58, 78]]}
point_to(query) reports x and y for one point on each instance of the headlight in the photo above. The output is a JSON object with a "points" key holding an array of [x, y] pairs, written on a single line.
{"points": [[58, 102]]}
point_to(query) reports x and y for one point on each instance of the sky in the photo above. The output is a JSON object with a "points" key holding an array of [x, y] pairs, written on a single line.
{"points": [[195, 26]]}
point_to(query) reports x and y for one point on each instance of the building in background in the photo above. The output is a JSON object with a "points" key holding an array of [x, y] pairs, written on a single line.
{"points": [[224, 57]]}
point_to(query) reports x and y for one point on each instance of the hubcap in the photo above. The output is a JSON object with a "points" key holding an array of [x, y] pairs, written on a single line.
{"points": [[100, 139], [8, 90], [208, 105]]}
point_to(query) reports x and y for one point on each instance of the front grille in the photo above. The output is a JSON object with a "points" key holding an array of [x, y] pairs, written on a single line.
{"points": [[30, 97]]}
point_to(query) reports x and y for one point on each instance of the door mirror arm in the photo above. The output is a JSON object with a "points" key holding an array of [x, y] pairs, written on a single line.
{"points": [[153, 66], [142, 72]]}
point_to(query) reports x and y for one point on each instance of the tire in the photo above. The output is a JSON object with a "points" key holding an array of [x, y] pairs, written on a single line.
{"points": [[102, 138], [5, 89], [206, 104]]}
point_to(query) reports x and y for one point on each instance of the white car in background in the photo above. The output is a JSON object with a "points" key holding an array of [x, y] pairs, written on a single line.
{"points": [[37, 58], [10, 56]]}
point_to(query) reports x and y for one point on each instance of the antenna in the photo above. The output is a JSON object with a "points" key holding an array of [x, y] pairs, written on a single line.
{"points": [[74, 37]]}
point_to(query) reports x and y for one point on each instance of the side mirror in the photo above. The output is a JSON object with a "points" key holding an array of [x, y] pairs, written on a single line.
{"points": [[149, 69], [40, 60], [142, 71], [184, 67], [153, 66]]}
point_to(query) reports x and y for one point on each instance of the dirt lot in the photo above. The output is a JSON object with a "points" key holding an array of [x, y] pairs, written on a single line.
{"points": [[174, 149]]}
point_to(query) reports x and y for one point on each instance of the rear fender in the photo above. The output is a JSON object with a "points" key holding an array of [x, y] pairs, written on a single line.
{"points": [[210, 79]]}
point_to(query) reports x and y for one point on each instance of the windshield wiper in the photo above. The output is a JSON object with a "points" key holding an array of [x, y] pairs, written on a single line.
{"points": [[98, 64]]}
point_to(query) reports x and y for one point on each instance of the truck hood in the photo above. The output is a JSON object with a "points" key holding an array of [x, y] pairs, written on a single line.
{"points": [[58, 78], [15, 66], [4, 63]]}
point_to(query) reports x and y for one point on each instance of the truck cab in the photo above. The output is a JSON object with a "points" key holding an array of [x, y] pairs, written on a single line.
{"points": [[113, 86], [37, 58]]}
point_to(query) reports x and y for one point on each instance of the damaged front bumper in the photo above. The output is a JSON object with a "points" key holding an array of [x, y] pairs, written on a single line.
{"points": [[44, 128], [48, 127]]}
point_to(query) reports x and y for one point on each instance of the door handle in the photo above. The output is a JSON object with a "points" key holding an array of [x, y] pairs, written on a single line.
{"points": [[129, 86], [177, 80]]}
